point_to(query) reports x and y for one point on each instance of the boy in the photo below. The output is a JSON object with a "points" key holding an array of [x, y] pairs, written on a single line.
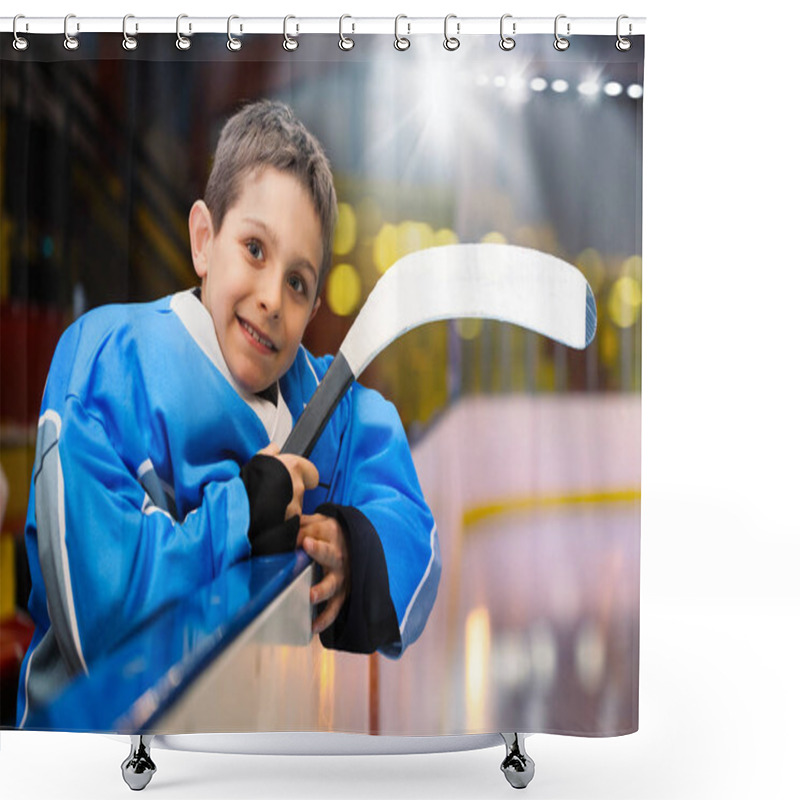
{"points": [[157, 462]]}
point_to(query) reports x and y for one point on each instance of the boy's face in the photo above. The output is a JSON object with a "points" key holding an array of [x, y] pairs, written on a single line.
{"points": [[259, 274]]}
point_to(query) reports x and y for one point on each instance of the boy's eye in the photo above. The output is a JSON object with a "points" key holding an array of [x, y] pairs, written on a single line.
{"points": [[297, 284], [254, 248]]}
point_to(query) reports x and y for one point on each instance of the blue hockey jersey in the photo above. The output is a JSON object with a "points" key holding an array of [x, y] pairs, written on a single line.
{"points": [[136, 497]]}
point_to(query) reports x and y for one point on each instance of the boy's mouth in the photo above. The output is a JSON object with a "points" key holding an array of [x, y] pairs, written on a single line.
{"points": [[258, 336]]}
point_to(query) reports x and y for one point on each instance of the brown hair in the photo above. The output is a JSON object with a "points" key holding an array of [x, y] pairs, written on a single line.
{"points": [[268, 134]]}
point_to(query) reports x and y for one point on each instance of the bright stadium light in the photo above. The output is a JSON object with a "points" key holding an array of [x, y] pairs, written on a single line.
{"points": [[517, 91], [589, 88], [613, 89], [538, 84]]}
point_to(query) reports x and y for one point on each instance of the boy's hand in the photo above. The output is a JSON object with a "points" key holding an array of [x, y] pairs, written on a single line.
{"points": [[303, 473], [322, 538]]}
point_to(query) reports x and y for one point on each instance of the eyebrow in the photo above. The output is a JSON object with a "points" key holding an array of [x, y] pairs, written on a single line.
{"points": [[272, 239]]}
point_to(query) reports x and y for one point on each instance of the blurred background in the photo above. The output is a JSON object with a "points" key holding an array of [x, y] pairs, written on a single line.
{"points": [[528, 452]]}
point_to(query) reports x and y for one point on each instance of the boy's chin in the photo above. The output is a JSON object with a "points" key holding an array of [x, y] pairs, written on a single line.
{"points": [[257, 388], [253, 385]]}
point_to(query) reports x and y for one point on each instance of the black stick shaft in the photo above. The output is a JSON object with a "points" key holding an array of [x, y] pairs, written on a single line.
{"points": [[313, 420]]}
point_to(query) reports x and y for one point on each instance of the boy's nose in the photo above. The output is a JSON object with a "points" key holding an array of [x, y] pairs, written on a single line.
{"points": [[269, 292]]}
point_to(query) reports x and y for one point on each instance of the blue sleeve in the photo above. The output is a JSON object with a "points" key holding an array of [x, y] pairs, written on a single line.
{"points": [[392, 538], [109, 556]]}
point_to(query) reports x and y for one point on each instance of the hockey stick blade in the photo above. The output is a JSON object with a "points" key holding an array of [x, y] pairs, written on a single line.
{"points": [[489, 281]]}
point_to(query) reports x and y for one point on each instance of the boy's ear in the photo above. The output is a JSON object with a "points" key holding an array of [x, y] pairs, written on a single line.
{"points": [[314, 310], [201, 235]]}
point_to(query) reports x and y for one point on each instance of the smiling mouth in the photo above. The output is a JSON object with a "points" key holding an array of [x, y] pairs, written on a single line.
{"points": [[257, 336]]}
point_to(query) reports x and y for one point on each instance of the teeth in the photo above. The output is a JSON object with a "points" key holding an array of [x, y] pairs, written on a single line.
{"points": [[260, 339]]}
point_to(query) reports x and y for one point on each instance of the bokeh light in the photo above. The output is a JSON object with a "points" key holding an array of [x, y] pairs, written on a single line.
{"points": [[444, 236], [469, 328], [344, 290], [478, 640], [632, 268], [538, 84], [345, 234], [608, 342], [625, 301], [635, 91], [413, 236], [385, 248], [590, 656]]}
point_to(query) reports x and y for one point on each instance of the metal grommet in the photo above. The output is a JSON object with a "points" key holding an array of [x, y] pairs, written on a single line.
{"points": [[182, 42], [233, 43], [622, 44], [507, 42], [451, 42], [290, 43], [561, 43], [344, 42], [20, 42], [128, 42], [70, 42], [400, 42]]}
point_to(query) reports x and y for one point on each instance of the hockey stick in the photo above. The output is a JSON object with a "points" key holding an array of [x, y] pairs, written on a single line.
{"points": [[492, 281]]}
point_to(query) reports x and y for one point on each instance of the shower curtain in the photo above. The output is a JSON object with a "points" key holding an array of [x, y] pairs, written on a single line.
{"points": [[524, 603]]}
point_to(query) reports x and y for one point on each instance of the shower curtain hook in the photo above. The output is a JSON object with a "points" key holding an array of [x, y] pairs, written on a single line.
{"points": [[507, 42], [182, 42], [129, 42], [622, 44], [345, 43], [290, 43], [401, 42], [233, 44], [561, 43], [451, 42], [20, 42], [70, 42]]}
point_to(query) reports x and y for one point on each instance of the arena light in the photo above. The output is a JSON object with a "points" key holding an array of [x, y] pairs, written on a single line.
{"points": [[538, 84], [517, 90], [559, 86], [613, 89], [635, 91]]}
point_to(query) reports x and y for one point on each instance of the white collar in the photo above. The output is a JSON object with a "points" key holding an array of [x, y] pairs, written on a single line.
{"points": [[276, 419]]}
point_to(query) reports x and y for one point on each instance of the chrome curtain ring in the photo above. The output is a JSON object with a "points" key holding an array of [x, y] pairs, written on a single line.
{"points": [[20, 42], [290, 43], [128, 42], [401, 42], [182, 42], [234, 43], [561, 43], [70, 42], [451, 42], [344, 42], [507, 42], [622, 44]]}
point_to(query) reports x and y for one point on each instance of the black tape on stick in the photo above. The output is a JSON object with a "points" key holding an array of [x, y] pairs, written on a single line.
{"points": [[313, 420]]}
